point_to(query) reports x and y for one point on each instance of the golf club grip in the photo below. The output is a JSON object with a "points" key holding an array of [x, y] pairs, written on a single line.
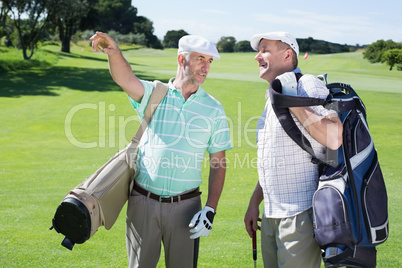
{"points": [[254, 240], [254, 245]]}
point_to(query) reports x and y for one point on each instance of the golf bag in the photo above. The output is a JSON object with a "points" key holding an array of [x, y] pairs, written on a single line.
{"points": [[98, 200], [350, 205]]}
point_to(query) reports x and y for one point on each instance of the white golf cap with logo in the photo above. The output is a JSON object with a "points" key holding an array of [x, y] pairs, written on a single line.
{"points": [[197, 43], [281, 36]]}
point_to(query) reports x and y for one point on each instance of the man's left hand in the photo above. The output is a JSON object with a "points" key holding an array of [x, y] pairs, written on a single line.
{"points": [[202, 222]]}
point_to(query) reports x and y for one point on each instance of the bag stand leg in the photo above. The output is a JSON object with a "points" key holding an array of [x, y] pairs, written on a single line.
{"points": [[67, 243]]}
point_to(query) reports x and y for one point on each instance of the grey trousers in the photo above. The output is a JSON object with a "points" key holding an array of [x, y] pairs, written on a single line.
{"points": [[150, 223], [289, 242]]}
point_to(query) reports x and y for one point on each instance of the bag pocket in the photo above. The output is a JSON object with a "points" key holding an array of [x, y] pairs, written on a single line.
{"points": [[375, 205], [331, 214]]}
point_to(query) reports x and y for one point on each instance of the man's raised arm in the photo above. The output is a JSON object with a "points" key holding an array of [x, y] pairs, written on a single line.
{"points": [[120, 69]]}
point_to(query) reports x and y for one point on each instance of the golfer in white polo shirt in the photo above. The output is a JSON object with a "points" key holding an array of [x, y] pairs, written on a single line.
{"points": [[165, 204], [287, 176]]}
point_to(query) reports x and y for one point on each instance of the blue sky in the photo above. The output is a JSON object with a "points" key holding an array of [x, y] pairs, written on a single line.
{"points": [[345, 22]]}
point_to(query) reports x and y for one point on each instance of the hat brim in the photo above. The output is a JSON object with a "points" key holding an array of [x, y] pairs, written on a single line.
{"points": [[256, 39]]}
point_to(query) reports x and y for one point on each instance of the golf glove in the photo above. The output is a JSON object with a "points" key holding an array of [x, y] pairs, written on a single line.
{"points": [[202, 222], [289, 83]]}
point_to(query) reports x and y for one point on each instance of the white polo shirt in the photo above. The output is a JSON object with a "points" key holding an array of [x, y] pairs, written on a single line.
{"points": [[286, 174]]}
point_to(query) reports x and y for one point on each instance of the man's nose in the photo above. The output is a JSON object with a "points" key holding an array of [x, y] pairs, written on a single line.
{"points": [[258, 56]]}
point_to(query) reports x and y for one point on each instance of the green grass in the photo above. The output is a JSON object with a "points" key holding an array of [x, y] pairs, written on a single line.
{"points": [[40, 163]]}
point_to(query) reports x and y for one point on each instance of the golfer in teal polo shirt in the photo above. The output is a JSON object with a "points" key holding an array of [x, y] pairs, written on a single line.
{"points": [[165, 204]]}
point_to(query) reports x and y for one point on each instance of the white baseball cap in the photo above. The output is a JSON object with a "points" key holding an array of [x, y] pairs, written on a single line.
{"points": [[282, 36], [198, 44]]}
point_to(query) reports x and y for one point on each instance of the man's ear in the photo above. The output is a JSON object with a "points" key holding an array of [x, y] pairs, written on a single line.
{"points": [[181, 60], [288, 54]]}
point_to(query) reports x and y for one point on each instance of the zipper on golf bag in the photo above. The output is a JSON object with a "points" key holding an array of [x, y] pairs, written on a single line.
{"points": [[374, 200], [372, 218]]}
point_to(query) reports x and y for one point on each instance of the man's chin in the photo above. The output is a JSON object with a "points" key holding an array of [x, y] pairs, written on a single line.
{"points": [[200, 81], [264, 76]]}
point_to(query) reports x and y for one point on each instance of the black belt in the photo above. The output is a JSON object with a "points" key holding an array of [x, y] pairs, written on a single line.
{"points": [[170, 199]]}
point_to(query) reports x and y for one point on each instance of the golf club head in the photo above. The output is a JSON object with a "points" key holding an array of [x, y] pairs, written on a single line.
{"points": [[323, 78]]}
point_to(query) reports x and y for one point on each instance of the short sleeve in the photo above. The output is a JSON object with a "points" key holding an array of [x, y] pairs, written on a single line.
{"points": [[311, 86], [142, 105], [220, 138]]}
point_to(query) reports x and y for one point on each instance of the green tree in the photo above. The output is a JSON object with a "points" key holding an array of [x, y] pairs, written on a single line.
{"points": [[120, 16], [143, 25], [6, 28], [66, 16], [392, 57], [305, 44], [243, 46], [226, 44], [3, 18], [29, 29], [325, 49], [107, 15], [171, 38], [374, 52]]}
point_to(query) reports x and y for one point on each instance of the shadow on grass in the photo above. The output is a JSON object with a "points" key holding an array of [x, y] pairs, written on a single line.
{"points": [[76, 56], [48, 81], [82, 57], [130, 48]]}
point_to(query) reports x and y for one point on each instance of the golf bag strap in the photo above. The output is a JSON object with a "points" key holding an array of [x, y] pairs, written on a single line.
{"points": [[342, 98], [280, 104], [156, 97], [285, 101], [339, 104]]}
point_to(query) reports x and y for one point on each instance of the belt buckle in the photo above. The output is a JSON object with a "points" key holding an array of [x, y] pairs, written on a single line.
{"points": [[162, 198]]}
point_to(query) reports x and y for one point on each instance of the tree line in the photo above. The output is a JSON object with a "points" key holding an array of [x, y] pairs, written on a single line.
{"points": [[225, 44], [382, 51], [388, 52], [230, 44], [24, 23]]}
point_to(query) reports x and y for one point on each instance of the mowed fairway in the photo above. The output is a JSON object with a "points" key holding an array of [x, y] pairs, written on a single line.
{"points": [[60, 123]]}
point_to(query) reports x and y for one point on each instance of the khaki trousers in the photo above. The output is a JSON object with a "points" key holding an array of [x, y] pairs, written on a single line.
{"points": [[150, 223], [289, 242]]}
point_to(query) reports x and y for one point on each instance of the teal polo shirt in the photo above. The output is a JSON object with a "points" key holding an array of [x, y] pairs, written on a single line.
{"points": [[172, 149]]}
